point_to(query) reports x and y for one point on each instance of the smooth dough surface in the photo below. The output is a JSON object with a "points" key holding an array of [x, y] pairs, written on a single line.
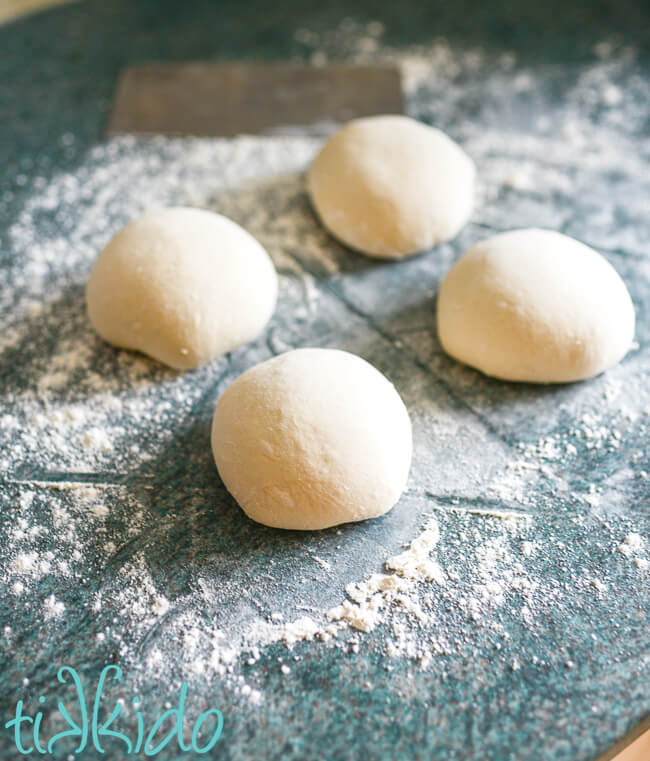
{"points": [[535, 305], [390, 186], [183, 286], [312, 438]]}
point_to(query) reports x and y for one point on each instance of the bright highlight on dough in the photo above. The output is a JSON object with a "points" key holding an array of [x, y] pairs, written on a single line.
{"points": [[183, 286], [312, 438], [390, 186], [534, 305]]}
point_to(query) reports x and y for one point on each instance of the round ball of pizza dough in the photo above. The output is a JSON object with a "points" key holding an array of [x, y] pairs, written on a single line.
{"points": [[312, 438], [183, 286], [534, 305], [390, 186]]}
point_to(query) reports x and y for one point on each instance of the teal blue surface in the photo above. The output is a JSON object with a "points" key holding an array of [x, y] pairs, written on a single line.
{"points": [[563, 689]]}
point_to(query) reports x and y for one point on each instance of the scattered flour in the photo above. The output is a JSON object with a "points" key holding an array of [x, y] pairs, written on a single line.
{"points": [[66, 428]]}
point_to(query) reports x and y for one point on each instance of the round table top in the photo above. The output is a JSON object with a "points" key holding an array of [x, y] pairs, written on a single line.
{"points": [[119, 544]]}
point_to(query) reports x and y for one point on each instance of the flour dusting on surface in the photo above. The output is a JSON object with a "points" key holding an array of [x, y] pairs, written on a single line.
{"points": [[88, 433]]}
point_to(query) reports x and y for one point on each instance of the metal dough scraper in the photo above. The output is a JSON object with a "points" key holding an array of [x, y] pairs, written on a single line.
{"points": [[227, 99]]}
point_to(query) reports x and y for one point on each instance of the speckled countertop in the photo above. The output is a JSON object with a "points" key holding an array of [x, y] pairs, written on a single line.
{"points": [[119, 545]]}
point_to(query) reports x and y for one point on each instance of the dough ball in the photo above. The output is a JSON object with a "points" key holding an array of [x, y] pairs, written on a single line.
{"points": [[390, 186], [537, 306], [183, 286], [312, 438]]}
